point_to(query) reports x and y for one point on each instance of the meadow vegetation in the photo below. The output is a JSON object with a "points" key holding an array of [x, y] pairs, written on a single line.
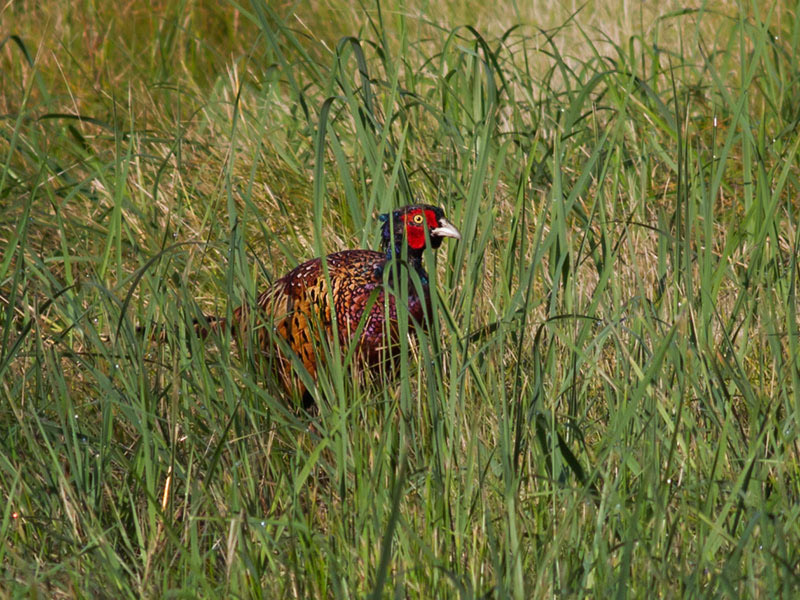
{"points": [[608, 403]]}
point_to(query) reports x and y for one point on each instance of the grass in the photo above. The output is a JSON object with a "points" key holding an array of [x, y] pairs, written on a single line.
{"points": [[608, 404]]}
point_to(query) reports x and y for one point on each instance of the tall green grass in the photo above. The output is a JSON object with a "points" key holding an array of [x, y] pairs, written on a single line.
{"points": [[607, 403]]}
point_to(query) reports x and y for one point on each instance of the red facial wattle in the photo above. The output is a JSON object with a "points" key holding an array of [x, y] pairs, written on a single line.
{"points": [[415, 232]]}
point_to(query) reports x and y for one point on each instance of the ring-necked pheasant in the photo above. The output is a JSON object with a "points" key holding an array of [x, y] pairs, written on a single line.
{"points": [[299, 307]]}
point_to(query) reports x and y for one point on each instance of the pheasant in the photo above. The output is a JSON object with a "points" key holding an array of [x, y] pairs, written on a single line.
{"points": [[299, 308]]}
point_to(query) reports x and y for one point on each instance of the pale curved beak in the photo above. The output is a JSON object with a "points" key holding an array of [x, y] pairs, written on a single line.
{"points": [[446, 229]]}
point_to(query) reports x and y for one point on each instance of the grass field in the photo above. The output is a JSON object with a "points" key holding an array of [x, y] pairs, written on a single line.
{"points": [[609, 402]]}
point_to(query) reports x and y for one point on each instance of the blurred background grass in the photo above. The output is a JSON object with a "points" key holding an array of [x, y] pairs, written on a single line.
{"points": [[609, 402]]}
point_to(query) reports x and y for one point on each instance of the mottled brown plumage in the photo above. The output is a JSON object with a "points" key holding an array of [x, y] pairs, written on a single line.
{"points": [[300, 308]]}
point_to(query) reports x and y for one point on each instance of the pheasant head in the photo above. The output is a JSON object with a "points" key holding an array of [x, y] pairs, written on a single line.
{"points": [[413, 226]]}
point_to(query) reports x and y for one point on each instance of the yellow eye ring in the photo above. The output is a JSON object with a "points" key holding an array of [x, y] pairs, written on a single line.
{"points": [[418, 219]]}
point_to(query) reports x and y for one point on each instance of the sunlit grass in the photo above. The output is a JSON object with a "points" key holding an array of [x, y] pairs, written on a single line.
{"points": [[607, 403]]}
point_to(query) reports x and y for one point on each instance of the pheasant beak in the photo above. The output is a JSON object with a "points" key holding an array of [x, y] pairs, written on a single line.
{"points": [[446, 229]]}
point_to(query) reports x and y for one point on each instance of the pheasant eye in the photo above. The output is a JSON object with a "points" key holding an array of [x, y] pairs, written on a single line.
{"points": [[418, 219]]}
